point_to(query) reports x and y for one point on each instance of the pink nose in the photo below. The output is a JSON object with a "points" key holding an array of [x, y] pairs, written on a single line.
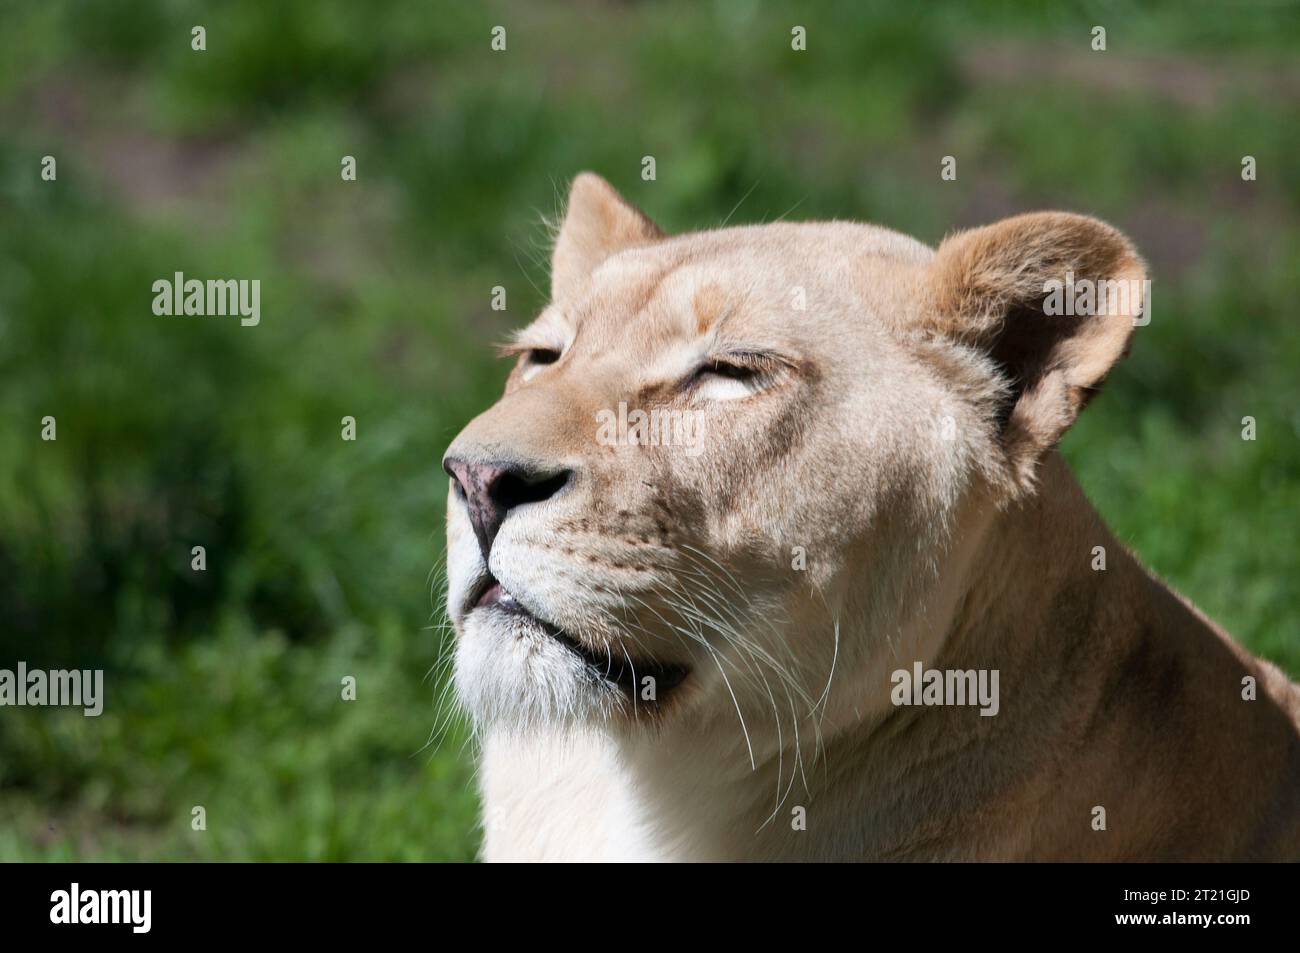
{"points": [[491, 490]]}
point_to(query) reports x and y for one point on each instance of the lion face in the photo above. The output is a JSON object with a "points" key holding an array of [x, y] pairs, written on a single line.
{"points": [[726, 467]]}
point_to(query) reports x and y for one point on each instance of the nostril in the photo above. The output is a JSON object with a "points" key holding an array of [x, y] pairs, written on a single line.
{"points": [[515, 488], [491, 490]]}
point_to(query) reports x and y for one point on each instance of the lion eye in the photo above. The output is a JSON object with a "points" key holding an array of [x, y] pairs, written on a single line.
{"points": [[542, 355], [535, 358], [735, 372], [728, 380]]}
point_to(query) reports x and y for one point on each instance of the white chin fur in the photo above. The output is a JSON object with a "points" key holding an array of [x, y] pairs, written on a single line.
{"points": [[511, 675]]}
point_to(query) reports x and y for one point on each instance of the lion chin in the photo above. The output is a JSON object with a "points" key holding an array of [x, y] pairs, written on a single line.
{"points": [[766, 552]]}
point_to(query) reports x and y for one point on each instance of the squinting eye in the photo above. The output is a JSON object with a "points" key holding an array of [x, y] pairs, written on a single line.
{"points": [[735, 372], [722, 380], [542, 355], [535, 358]]}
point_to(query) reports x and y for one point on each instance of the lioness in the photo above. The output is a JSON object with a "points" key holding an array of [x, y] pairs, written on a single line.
{"points": [[692, 649]]}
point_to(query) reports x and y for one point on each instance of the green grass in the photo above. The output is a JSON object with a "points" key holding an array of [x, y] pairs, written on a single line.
{"points": [[256, 732], [224, 686]]}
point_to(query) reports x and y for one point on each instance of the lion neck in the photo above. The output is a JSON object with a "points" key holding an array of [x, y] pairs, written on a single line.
{"points": [[1042, 566]]}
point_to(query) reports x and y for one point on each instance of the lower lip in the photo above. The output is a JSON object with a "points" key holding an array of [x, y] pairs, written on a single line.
{"points": [[491, 594], [494, 595]]}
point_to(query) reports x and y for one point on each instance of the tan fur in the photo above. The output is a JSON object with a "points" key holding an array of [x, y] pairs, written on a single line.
{"points": [[902, 439]]}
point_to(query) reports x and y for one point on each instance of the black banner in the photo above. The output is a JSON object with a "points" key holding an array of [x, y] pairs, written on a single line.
{"points": [[225, 902]]}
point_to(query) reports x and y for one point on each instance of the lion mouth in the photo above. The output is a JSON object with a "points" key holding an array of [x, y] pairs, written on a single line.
{"points": [[627, 672]]}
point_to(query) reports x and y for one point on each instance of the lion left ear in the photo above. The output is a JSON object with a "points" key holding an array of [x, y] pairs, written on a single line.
{"points": [[597, 223], [1003, 288]]}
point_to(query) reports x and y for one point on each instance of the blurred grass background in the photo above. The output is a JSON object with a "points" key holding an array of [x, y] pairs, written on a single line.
{"points": [[223, 687]]}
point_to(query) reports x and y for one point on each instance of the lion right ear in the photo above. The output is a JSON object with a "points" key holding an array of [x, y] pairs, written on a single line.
{"points": [[994, 288], [597, 223]]}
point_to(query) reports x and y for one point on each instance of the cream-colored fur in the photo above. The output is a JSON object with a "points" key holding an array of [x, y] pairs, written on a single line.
{"points": [[884, 491]]}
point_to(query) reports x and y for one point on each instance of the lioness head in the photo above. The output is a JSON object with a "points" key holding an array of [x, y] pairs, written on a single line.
{"points": [[735, 467]]}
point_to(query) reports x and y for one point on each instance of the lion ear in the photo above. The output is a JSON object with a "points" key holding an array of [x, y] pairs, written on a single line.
{"points": [[597, 223], [1052, 298]]}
